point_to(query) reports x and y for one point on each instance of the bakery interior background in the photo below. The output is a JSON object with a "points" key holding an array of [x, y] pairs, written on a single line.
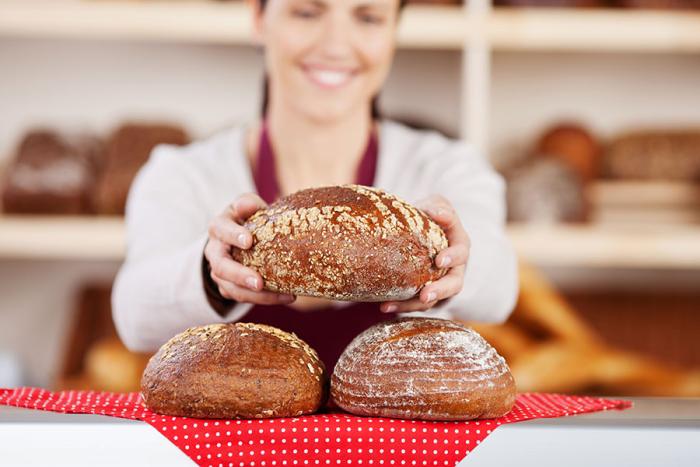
{"points": [[592, 114]]}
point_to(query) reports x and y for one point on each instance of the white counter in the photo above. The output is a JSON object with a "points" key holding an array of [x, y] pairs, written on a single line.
{"points": [[655, 432]]}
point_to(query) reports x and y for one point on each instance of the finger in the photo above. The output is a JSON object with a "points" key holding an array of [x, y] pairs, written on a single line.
{"points": [[454, 255], [441, 211], [438, 207], [449, 285], [245, 206], [241, 294], [228, 231], [233, 271], [413, 304]]}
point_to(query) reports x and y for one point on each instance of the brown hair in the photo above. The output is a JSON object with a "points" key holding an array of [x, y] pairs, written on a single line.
{"points": [[376, 114]]}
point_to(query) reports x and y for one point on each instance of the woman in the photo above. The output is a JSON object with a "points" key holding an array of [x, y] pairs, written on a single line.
{"points": [[326, 61]]}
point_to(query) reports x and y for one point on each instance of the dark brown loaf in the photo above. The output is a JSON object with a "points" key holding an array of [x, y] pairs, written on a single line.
{"points": [[240, 370], [422, 368], [129, 147], [346, 242], [53, 173]]}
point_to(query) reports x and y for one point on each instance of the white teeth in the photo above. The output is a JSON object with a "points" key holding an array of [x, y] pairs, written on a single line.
{"points": [[330, 78]]}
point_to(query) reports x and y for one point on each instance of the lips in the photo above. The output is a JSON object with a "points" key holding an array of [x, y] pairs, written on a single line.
{"points": [[329, 78]]}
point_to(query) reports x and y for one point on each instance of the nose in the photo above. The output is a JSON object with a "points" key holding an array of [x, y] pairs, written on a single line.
{"points": [[336, 40]]}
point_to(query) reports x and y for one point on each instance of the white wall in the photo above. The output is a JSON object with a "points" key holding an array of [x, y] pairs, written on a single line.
{"points": [[95, 85]]}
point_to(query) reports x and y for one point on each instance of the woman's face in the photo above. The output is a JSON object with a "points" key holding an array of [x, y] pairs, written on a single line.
{"points": [[327, 58]]}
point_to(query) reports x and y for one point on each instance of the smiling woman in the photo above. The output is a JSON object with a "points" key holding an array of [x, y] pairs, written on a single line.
{"points": [[326, 62], [370, 25]]}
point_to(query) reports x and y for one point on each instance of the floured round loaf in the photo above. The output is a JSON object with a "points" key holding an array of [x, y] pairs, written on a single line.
{"points": [[239, 370], [422, 368], [346, 242]]}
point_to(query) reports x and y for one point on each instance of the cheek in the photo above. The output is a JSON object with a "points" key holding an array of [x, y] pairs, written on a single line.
{"points": [[285, 46], [378, 54]]}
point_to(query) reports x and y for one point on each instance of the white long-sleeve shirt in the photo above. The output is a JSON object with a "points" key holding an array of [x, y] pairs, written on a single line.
{"points": [[159, 290]]}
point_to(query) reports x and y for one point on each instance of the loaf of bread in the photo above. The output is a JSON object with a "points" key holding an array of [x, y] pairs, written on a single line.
{"points": [[422, 368], [129, 147], [658, 4], [544, 191], [574, 145], [52, 173], [655, 155], [346, 242], [239, 370], [109, 366]]}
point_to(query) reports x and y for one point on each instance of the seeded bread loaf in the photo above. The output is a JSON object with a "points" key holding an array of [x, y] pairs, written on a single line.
{"points": [[422, 368], [240, 370], [346, 242]]}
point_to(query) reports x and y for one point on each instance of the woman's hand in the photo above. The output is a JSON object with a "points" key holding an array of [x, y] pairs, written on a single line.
{"points": [[454, 257], [235, 281]]}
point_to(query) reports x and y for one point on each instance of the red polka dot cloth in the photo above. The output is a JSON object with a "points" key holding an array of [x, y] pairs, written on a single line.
{"points": [[332, 438]]}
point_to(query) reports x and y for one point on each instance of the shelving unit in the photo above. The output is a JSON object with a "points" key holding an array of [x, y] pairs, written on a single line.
{"points": [[476, 30], [422, 26], [193, 22], [62, 237], [102, 238], [590, 30]]}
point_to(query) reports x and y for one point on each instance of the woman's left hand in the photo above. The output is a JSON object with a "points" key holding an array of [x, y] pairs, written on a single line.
{"points": [[454, 258]]}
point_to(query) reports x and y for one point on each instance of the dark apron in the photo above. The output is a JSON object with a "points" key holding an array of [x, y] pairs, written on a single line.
{"points": [[328, 330]]}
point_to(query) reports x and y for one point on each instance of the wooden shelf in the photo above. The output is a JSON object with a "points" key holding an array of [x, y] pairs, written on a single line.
{"points": [[51, 237], [602, 30], [421, 26], [608, 247], [193, 21], [102, 238]]}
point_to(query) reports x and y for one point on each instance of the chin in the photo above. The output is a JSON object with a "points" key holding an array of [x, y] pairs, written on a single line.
{"points": [[323, 115]]}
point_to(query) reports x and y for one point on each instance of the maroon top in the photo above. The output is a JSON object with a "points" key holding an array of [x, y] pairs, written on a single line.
{"points": [[328, 330]]}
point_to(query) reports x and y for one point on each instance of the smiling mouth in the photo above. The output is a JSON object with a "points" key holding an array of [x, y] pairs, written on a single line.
{"points": [[329, 78]]}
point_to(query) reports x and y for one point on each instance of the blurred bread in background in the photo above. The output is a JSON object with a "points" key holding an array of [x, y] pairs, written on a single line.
{"points": [[52, 172], [550, 348], [56, 172], [127, 150], [109, 366], [545, 191], [94, 357], [575, 145], [654, 155]]}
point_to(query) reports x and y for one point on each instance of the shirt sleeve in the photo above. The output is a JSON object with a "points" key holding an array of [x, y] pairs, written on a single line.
{"points": [[477, 192], [159, 290]]}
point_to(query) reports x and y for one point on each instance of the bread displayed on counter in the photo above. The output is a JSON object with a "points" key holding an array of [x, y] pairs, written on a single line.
{"points": [[128, 149], [240, 370], [654, 155], [422, 368], [345, 243], [52, 173]]}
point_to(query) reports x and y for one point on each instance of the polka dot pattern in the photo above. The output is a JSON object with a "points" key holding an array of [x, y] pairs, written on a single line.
{"points": [[317, 440]]}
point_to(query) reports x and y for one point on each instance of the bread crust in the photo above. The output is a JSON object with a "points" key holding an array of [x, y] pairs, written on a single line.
{"points": [[239, 370], [422, 368], [348, 242]]}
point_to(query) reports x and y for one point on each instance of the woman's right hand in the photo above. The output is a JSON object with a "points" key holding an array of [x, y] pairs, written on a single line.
{"points": [[235, 281]]}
